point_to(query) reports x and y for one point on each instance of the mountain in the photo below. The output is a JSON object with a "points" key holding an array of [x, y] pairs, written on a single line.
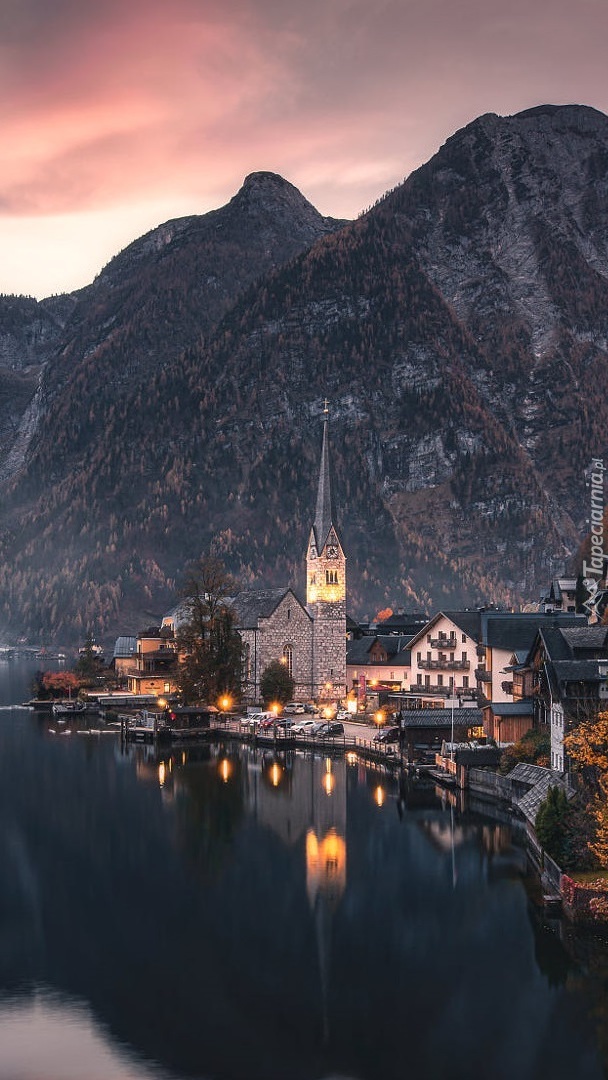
{"points": [[458, 329]]}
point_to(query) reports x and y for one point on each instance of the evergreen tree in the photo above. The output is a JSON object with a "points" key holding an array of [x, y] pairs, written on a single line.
{"points": [[276, 684], [553, 825]]}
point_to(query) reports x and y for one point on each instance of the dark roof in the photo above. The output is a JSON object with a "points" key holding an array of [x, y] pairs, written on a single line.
{"points": [[517, 630], [512, 708], [441, 718], [124, 647], [580, 670], [251, 605], [586, 638], [403, 624], [468, 621], [358, 652]]}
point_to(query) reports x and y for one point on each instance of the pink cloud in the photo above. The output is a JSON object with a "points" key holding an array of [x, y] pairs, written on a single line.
{"points": [[115, 105]]}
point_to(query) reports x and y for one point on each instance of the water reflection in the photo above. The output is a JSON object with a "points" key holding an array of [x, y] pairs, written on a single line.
{"points": [[234, 914]]}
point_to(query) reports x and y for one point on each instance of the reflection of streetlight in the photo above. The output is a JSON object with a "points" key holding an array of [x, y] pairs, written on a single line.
{"points": [[379, 795], [329, 780], [162, 772], [225, 769], [351, 758], [276, 774]]}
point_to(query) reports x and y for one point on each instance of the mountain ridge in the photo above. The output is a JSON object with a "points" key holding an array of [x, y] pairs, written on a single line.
{"points": [[455, 326]]}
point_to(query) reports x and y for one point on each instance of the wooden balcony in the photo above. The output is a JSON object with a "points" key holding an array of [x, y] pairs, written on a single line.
{"points": [[444, 665]]}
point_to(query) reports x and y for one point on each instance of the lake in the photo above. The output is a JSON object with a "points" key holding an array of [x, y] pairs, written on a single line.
{"points": [[226, 915]]}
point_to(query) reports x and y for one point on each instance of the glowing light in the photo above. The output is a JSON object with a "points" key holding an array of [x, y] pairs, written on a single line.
{"points": [[225, 703], [161, 702], [162, 772], [276, 774], [379, 718], [329, 780], [184, 758], [328, 712], [275, 709], [351, 758], [225, 770], [379, 796]]}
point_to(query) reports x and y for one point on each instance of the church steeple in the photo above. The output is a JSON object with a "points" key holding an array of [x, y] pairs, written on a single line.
{"points": [[326, 588], [324, 513]]}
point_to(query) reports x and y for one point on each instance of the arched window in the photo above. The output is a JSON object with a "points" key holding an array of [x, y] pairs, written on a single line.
{"points": [[331, 577], [246, 662], [288, 658]]}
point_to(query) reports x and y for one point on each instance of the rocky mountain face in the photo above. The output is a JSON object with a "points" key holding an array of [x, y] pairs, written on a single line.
{"points": [[458, 329]]}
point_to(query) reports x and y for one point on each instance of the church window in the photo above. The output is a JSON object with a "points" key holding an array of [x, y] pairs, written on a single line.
{"points": [[247, 662], [288, 613], [331, 577], [288, 658], [313, 579]]}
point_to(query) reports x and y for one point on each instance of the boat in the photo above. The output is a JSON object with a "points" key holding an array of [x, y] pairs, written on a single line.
{"points": [[68, 708]]}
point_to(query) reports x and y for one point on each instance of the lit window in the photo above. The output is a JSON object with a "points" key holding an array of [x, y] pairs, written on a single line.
{"points": [[288, 658]]}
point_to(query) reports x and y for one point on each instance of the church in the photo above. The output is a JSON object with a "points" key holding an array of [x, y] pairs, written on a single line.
{"points": [[308, 637]]}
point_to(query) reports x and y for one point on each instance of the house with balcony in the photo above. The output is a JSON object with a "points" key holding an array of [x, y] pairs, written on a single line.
{"points": [[444, 657], [152, 668]]}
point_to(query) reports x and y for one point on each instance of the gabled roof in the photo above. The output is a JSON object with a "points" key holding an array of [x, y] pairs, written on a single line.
{"points": [[586, 638], [467, 621], [358, 652], [251, 605]]}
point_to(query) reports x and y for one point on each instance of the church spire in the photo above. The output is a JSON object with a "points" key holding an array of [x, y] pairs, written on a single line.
{"points": [[324, 512]]}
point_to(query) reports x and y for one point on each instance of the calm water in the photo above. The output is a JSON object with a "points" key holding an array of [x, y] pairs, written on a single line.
{"points": [[225, 916]]}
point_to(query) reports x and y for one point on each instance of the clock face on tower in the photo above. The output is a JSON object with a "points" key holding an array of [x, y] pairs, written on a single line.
{"points": [[332, 551]]}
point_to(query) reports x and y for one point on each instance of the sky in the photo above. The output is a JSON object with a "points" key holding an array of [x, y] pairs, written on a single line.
{"points": [[119, 116]]}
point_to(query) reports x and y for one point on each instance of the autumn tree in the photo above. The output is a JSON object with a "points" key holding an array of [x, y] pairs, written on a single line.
{"points": [[587, 747], [210, 648], [60, 683]]}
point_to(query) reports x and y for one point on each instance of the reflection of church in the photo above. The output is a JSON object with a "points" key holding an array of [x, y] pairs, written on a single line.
{"points": [[306, 799], [310, 638]]}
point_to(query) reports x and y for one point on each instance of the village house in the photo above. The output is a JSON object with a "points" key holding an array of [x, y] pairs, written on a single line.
{"points": [[152, 667], [381, 662], [569, 675]]}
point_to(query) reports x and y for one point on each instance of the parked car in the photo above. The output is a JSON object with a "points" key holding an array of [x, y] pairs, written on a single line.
{"points": [[304, 727], [260, 719], [329, 729], [342, 714], [294, 707], [312, 709], [387, 735], [285, 723]]}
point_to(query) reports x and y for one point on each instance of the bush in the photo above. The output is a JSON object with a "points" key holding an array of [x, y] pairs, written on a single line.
{"points": [[534, 748]]}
